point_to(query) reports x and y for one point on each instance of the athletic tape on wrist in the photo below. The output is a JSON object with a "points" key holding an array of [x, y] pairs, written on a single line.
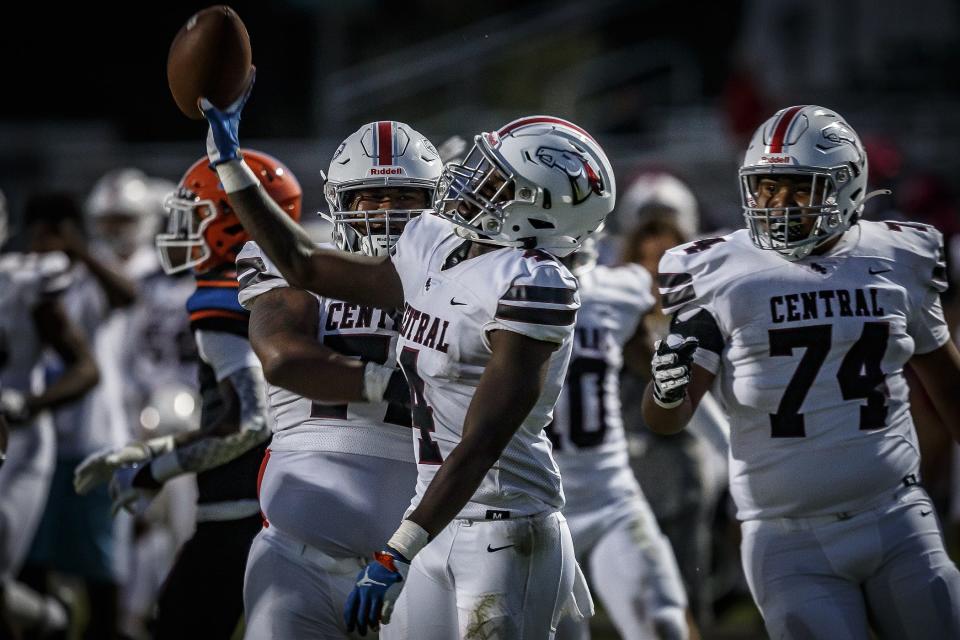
{"points": [[164, 467], [235, 176], [409, 539], [376, 377]]}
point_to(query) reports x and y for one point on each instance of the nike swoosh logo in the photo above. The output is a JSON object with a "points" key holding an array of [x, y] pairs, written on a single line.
{"points": [[453, 301], [492, 549], [926, 513], [874, 272]]}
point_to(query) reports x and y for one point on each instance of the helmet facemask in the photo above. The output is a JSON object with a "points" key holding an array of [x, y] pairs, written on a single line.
{"points": [[792, 230], [371, 232], [183, 245], [477, 194]]}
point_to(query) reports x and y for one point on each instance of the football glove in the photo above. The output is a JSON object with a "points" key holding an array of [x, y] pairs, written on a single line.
{"points": [[124, 495], [97, 468], [671, 364], [14, 407], [377, 589], [223, 142]]}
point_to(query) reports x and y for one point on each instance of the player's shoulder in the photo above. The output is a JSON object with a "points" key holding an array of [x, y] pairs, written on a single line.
{"points": [[256, 274], [692, 270], [627, 284], [915, 248], [905, 238], [534, 267]]}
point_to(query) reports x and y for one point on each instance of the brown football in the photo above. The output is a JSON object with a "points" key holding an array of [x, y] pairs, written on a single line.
{"points": [[209, 57]]}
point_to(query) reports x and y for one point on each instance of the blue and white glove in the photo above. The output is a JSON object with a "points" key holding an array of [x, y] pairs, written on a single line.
{"points": [[377, 589], [671, 369], [135, 500], [223, 142]]}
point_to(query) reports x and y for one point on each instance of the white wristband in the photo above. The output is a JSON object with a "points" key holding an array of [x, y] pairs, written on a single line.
{"points": [[376, 377], [235, 176], [164, 467], [409, 539]]}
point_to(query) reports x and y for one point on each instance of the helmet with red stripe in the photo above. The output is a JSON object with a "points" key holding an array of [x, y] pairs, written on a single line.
{"points": [[380, 155], [539, 182], [203, 232], [816, 146]]}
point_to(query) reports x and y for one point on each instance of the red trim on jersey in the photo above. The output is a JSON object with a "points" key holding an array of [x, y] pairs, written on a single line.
{"points": [[385, 143], [263, 468], [542, 120], [216, 313], [783, 125], [218, 283]]}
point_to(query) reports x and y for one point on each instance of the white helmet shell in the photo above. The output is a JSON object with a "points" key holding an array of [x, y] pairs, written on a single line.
{"points": [[539, 182], [130, 192], [815, 143], [659, 189], [384, 154]]}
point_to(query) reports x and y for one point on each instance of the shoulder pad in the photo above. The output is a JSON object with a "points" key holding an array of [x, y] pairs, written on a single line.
{"points": [[256, 274]]}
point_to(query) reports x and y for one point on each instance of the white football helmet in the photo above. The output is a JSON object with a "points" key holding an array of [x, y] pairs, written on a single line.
{"points": [[539, 182], [384, 154], [129, 193], [815, 143]]}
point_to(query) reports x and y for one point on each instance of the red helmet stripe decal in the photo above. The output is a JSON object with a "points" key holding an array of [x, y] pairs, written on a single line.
{"points": [[781, 128], [542, 120], [385, 143]]}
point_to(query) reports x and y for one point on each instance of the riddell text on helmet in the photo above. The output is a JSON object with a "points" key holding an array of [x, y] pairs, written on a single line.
{"points": [[386, 171]]}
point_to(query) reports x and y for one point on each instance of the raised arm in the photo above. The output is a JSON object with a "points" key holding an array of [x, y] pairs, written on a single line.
{"points": [[334, 274]]}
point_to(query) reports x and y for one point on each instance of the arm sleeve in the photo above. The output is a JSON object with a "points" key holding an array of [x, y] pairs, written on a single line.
{"points": [[541, 304], [256, 274], [212, 450]]}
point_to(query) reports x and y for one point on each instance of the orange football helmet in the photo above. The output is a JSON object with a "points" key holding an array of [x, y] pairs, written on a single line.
{"points": [[203, 232]]}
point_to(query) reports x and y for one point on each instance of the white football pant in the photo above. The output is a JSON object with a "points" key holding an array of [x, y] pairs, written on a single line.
{"points": [[835, 577], [493, 579]]}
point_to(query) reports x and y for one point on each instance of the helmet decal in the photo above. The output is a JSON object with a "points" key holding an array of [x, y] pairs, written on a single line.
{"points": [[584, 179]]}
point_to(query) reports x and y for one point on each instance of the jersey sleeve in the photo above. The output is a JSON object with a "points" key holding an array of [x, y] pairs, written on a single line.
{"points": [[226, 353], [541, 304], [256, 274], [927, 324], [685, 294]]}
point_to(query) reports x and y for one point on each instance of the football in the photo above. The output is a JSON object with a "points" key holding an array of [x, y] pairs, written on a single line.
{"points": [[209, 57]]}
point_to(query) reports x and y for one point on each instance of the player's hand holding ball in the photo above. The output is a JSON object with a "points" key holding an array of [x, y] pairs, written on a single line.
{"points": [[671, 369], [210, 73]]}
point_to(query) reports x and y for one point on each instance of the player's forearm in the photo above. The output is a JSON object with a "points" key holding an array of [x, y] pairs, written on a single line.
{"points": [[308, 369], [665, 421], [283, 240], [939, 373]]}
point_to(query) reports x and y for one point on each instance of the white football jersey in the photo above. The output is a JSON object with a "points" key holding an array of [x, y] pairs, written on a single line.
{"points": [[25, 280], [451, 305], [809, 359], [587, 428], [378, 429]]}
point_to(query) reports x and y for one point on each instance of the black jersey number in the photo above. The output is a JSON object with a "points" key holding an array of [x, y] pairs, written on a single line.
{"points": [[422, 412], [588, 420], [859, 375], [369, 347]]}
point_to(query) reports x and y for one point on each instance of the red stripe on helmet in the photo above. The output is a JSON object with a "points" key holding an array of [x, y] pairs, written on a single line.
{"points": [[542, 120], [780, 130], [385, 143]]}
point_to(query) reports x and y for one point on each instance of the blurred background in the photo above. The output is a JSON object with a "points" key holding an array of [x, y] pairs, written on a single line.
{"points": [[669, 89]]}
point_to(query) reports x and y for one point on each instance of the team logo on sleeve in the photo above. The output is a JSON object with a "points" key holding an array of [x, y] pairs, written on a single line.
{"points": [[584, 179]]}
